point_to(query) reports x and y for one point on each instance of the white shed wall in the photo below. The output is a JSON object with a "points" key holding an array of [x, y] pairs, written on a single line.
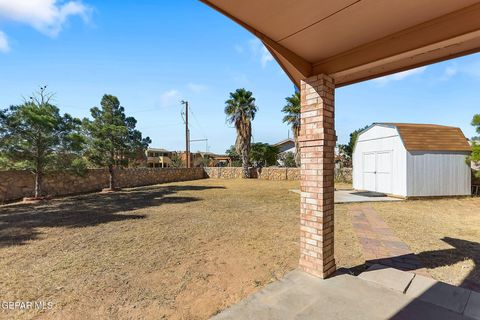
{"points": [[437, 174], [380, 139]]}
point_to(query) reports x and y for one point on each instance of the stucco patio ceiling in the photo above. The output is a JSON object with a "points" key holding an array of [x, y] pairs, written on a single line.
{"points": [[355, 40]]}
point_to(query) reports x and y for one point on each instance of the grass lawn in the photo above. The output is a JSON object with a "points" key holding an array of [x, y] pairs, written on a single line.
{"points": [[188, 250]]}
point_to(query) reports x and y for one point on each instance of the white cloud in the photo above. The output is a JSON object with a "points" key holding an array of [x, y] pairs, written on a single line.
{"points": [[170, 97], [266, 57], [400, 75], [46, 16], [238, 48], [450, 71], [259, 51], [197, 88], [4, 47]]}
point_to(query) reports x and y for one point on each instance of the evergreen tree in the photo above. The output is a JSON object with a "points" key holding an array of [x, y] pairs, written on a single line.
{"points": [[234, 156], [263, 154], [113, 139], [347, 149], [475, 155], [34, 136]]}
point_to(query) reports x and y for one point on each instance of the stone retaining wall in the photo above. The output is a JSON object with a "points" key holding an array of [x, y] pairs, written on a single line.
{"points": [[15, 185], [223, 172], [278, 173], [261, 173], [341, 175]]}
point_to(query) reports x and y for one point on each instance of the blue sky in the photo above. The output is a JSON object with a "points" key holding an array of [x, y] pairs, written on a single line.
{"points": [[152, 54]]}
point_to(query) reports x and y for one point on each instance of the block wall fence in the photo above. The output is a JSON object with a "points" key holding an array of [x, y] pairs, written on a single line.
{"points": [[16, 184], [255, 173]]}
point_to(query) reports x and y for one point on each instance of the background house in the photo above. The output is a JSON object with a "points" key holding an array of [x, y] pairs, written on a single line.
{"points": [[287, 145], [412, 160], [219, 160], [158, 158], [284, 146], [206, 159]]}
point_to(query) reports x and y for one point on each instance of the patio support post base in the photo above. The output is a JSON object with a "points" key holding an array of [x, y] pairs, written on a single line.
{"points": [[317, 144]]}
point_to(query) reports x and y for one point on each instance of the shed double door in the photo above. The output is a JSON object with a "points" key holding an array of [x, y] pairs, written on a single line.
{"points": [[377, 171]]}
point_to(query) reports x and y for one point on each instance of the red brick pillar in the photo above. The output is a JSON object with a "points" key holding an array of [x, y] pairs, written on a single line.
{"points": [[317, 143]]}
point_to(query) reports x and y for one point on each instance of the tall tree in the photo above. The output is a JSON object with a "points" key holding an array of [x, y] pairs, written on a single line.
{"points": [[475, 155], [263, 154], [347, 149], [177, 161], [240, 110], [292, 117], [114, 141], [287, 159], [34, 136], [234, 156]]}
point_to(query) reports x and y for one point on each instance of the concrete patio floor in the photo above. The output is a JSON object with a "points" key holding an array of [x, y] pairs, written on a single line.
{"points": [[354, 196], [378, 293]]}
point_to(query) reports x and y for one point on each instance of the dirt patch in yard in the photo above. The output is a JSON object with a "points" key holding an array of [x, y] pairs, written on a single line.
{"points": [[180, 251]]}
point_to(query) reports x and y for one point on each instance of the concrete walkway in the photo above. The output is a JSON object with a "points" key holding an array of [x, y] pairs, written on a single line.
{"points": [[380, 244], [380, 294], [352, 196]]}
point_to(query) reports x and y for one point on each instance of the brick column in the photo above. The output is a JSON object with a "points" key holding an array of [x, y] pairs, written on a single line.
{"points": [[317, 143]]}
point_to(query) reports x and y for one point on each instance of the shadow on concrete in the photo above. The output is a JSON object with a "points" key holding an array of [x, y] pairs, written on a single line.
{"points": [[462, 250], [369, 194], [20, 222], [434, 304], [459, 303]]}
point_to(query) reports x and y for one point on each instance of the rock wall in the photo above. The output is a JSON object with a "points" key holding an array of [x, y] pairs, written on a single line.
{"points": [[15, 185], [278, 173], [341, 175], [223, 172], [262, 173]]}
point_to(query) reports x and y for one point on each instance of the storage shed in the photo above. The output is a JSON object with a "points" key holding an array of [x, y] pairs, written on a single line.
{"points": [[412, 160]]}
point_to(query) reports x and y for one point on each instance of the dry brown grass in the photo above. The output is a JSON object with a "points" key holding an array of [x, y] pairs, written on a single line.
{"points": [[444, 233], [181, 250], [343, 186]]}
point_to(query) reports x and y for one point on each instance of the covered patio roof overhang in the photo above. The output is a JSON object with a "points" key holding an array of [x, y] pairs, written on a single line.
{"points": [[356, 40], [326, 44]]}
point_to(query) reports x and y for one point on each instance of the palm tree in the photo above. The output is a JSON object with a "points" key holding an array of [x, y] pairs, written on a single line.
{"points": [[240, 110], [292, 117]]}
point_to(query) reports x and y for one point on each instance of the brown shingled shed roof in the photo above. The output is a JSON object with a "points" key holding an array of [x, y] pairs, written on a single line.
{"points": [[431, 137]]}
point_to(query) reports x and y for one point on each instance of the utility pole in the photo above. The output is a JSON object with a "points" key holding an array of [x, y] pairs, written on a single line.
{"points": [[187, 135], [206, 143]]}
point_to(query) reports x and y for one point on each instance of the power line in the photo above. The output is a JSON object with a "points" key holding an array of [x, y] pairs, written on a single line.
{"points": [[198, 123], [202, 140], [161, 125]]}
